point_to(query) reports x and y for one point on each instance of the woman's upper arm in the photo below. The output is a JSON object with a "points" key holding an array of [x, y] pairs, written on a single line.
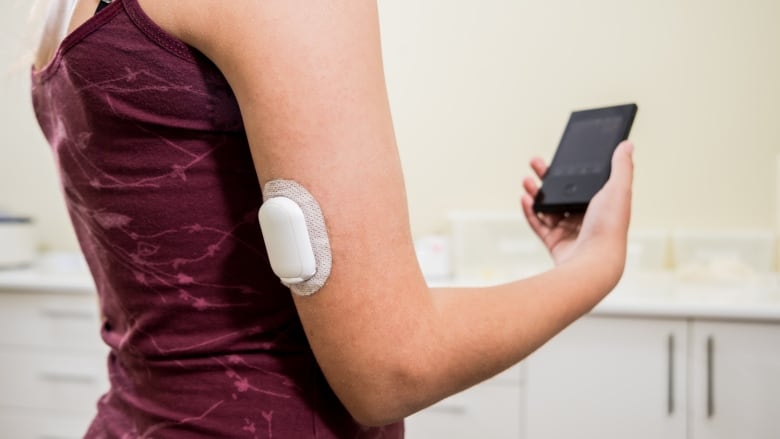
{"points": [[309, 80]]}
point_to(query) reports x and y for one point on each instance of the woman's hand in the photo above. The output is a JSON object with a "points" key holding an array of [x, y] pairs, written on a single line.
{"points": [[603, 227]]}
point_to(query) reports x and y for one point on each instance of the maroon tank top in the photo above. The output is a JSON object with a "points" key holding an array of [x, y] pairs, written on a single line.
{"points": [[160, 187]]}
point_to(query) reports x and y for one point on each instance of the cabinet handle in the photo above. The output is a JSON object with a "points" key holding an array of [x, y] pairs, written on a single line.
{"points": [[670, 375], [67, 377], [71, 314], [710, 377]]}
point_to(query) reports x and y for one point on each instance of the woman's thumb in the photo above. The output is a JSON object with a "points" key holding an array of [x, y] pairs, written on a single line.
{"points": [[623, 165]]}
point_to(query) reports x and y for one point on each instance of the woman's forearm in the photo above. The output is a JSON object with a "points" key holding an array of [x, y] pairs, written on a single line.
{"points": [[483, 331], [471, 334]]}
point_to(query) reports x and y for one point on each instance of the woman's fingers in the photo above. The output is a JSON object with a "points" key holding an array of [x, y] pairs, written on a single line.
{"points": [[560, 232], [552, 229], [530, 187], [536, 224], [571, 223], [539, 166]]}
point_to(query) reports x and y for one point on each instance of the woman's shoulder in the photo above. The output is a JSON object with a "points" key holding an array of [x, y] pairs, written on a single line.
{"points": [[194, 22]]}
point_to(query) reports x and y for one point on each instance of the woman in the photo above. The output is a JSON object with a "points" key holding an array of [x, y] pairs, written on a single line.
{"points": [[166, 119]]}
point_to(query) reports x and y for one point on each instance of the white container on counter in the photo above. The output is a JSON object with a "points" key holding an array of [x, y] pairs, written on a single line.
{"points": [[648, 250], [723, 254], [495, 246], [777, 212], [434, 257], [17, 242]]}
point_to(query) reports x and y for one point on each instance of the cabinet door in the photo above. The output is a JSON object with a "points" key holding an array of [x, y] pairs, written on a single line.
{"points": [[22, 424], [606, 378], [60, 382], [50, 321], [735, 380], [485, 411]]}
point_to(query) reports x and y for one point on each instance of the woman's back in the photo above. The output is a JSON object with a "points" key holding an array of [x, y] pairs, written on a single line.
{"points": [[162, 192]]}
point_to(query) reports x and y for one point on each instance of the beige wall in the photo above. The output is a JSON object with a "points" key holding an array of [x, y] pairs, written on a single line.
{"points": [[477, 88], [28, 182]]}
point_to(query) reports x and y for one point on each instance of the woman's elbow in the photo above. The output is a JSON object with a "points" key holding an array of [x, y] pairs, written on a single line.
{"points": [[375, 413], [383, 397]]}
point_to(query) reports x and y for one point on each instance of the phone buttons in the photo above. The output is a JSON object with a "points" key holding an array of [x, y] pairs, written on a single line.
{"points": [[570, 188]]}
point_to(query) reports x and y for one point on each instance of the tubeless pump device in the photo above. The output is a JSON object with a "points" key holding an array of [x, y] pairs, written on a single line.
{"points": [[287, 240], [295, 236]]}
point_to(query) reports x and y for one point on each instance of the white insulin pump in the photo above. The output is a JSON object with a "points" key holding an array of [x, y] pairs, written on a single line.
{"points": [[295, 236]]}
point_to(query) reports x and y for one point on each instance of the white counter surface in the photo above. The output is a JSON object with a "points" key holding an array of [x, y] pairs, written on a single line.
{"points": [[666, 296], [686, 300], [40, 280], [637, 295]]}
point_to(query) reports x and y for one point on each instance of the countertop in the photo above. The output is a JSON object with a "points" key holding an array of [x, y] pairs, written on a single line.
{"points": [[667, 295], [52, 272], [35, 279], [658, 295]]}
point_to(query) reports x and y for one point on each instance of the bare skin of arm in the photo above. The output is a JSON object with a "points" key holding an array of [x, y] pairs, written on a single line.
{"points": [[308, 77]]}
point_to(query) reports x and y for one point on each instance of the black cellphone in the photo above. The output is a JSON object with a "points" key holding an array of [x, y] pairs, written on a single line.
{"points": [[582, 162]]}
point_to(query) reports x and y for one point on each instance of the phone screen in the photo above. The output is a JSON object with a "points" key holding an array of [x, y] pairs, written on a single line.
{"points": [[587, 146], [581, 164]]}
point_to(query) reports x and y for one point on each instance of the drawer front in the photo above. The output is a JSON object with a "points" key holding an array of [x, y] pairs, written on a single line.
{"points": [[20, 424], [62, 382], [485, 411], [50, 321]]}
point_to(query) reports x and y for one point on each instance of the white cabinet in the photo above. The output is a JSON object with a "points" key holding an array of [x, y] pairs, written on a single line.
{"points": [[52, 364], [493, 409], [607, 377], [735, 386], [61, 322], [604, 377], [26, 424]]}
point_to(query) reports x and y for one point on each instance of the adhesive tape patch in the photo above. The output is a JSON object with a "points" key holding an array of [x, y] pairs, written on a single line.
{"points": [[294, 230]]}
